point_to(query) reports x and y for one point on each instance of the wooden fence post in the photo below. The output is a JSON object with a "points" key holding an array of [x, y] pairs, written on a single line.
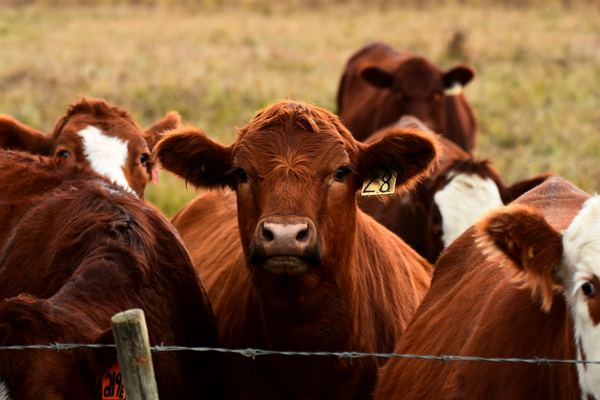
{"points": [[133, 352]]}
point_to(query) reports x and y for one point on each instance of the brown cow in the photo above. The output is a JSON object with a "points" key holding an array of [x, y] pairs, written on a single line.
{"points": [[381, 83], [526, 286], [98, 134], [75, 250], [288, 260], [443, 206]]}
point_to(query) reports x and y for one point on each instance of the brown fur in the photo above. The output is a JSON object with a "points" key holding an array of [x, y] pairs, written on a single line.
{"points": [[74, 251], [477, 306], [369, 282], [112, 120], [381, 83]]}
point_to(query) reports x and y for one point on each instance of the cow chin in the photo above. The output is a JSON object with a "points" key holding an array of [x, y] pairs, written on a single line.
{"points": [[290, 266]]}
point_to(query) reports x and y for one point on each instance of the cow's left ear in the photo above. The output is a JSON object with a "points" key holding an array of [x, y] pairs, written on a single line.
{"points": [[409, 153], [154, 133], [462, 74], [521, 233]]}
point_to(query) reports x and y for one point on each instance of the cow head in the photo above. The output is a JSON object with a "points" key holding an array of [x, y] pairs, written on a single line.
{"points": [[548, 260], [420, 88], [96, 133], [34, 374], [296, 170]]}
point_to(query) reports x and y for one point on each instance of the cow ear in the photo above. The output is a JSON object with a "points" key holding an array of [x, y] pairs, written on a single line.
{"points": [[462, 74], [17, 136], [514, 191], [154, 132], [189, 153], [100, 359], [377, 77], [521, 233], [410, 153]]}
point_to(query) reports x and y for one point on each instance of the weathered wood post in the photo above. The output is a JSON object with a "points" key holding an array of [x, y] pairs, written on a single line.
{"points": [[133, 352]]}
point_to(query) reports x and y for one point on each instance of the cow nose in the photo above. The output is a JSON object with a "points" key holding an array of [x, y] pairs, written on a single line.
{"points": [[286, 238]]}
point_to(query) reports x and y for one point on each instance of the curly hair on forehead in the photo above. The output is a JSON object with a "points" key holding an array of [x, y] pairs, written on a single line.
{"points": [[290, 113], [97, 108]]}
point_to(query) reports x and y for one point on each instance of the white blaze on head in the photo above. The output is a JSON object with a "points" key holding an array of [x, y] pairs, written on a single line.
{"points": [[463, 202], [4, 394], [581, 262], [107, 155]]}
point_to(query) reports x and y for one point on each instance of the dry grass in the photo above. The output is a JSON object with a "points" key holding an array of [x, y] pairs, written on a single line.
{"points": [[537, 94]]}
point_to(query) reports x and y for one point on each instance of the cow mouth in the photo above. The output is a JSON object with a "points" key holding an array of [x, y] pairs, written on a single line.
{"points": [[286, 265]]}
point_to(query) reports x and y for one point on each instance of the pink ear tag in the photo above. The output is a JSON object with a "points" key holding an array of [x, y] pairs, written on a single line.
{"points": [[155, 175]]}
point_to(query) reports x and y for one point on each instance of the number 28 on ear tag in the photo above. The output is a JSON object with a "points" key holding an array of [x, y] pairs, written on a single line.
{"points": [[112, 384], [384, 183]]}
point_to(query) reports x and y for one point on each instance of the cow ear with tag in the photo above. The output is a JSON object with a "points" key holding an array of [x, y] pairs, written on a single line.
{"points": [[396, 162], [459, 75]]}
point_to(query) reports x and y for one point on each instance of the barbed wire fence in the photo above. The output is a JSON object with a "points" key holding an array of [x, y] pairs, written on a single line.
{"points": [[253, 353]]}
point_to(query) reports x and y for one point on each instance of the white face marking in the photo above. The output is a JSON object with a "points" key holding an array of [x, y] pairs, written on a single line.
{"points": [[106, 154], [463, 202], [581, 244], [4, 392]]}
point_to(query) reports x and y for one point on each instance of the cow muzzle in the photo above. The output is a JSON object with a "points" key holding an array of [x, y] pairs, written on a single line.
{"points": [[286, 245]]}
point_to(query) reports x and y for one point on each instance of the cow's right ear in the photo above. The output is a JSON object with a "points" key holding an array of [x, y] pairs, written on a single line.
{"points": [[17, 136], [521, 233], [378, 77], [189, 153]]}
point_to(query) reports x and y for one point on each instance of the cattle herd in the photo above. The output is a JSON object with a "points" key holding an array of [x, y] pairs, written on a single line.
{"points": [[374, 231]]}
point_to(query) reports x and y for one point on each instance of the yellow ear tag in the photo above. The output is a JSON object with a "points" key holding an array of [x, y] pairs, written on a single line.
{"points": [[112, 384], [454, 90], [384, 183]]}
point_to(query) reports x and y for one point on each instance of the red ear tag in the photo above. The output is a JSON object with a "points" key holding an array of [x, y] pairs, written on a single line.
{"points": [[155, 175], [112, 384]]}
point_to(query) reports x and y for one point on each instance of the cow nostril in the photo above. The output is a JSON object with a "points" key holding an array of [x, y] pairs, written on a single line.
{"points": [[302, 234], [267, 234]]}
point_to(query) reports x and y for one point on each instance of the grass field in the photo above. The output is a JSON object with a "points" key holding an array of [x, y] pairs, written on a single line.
{"points": [[537, 93]]}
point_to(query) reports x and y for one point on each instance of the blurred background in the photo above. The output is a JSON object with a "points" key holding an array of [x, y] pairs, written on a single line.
{"points": [[217, 62]]}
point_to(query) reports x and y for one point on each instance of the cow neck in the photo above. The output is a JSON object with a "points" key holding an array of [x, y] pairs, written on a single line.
{"points": [[321, 319]]}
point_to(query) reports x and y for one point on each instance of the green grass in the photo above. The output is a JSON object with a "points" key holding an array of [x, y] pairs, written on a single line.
{"points": [[537, 93]]}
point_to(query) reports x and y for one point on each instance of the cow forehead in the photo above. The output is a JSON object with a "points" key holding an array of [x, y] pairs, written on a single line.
{"points": [[418, 78], [581, 247], [106, 154], [463, 201], [581, 239], [268, 151]]}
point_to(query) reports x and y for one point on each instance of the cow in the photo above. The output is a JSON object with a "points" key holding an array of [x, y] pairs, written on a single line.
{"points": [[522, 283], [99, 134], [381, 83], [75, 249], [288, 260], [441, 207]]}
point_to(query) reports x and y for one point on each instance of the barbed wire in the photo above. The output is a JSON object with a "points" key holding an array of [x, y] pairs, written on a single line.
{"points": [[351, 355]]}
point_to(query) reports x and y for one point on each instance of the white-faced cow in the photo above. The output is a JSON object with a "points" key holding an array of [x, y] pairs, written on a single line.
{"points": [[381, 83], [523, 283], [441, 207], [75, 249], [98, 134], [288, 260]]}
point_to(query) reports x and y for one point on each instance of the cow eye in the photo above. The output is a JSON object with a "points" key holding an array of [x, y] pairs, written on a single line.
{"points": [[143, 158], [588, 288], [242, 175], [63, 154], [340, 174]]}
